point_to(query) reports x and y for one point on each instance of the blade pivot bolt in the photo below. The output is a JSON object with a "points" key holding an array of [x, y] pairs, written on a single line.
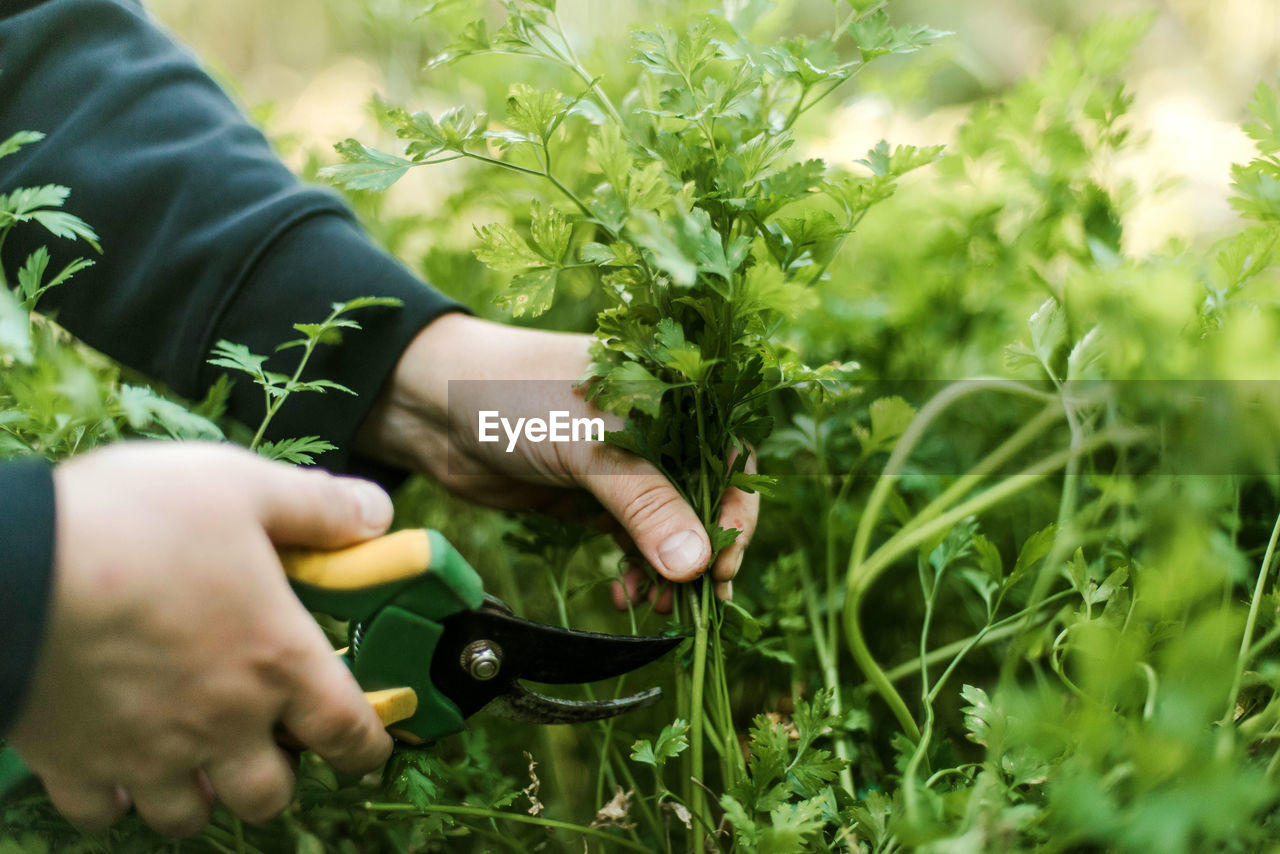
{"points": [[482, 659]]}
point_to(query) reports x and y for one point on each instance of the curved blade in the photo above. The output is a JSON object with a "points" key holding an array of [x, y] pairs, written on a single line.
{"points": [[521, 704], [533, 651], [542, 653]]}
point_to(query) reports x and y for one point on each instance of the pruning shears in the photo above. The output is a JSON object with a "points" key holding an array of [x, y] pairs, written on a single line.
{"points": [[430, 648]]}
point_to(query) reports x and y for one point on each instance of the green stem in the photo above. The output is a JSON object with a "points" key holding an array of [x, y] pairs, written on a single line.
{"points": [[540, 173], [273, 405], [862, 575], [827, 649], [997, 631], [1250, 622], [217, 835], [1064, 540], [906, 444], [697, 803], [733, 764], [587, 78], [911, 795], [650, 817], [4, 232], [481, 812]]}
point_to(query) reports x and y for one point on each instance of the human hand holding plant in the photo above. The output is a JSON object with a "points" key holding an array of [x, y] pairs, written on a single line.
{"points": [[421, 423], [175, 645]]}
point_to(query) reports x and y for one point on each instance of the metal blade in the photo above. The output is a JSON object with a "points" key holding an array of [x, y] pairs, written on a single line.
{"points": [[542, 653], [482, 653], [521, 704]]}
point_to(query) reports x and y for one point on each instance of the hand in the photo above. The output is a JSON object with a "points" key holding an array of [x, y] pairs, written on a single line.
{"points": [[174, 644], [424, 421]]}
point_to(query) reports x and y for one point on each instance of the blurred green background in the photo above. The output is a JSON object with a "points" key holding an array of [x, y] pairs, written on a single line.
{"points": [[307, 71]]}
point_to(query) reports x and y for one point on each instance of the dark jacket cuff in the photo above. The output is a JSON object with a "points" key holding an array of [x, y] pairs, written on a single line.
{"points": [[26, 575], [323, 259]]}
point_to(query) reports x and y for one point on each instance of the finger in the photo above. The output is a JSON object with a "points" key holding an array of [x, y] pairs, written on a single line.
{"points": [[621, 597], [330, 715], [87, 806], [255, 787], [627, 591], [314, 508], [662, 596], [741, 510], [177, 807], [659, 521]]}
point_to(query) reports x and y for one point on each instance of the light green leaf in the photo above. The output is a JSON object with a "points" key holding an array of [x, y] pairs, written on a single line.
{"points": [[502, 249], [607, 148], [15, 329], [536, 112], [890, 418], [901, 159], [745, 829], [674, 250], [1265, 129], [237, 357], [365, 168], [629, 386], [65, 225], [530, 293], [988, 558], [1084, 355], [618, 254], [748, 482], [875, 37], [978, 715], [365, 302], [31, 282], [551, 232], [670, 743], [18, 140], [150, 413], [1035, 548], [683, 56], [301, 451]]}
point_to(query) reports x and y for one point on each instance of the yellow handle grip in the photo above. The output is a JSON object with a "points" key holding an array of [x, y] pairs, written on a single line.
{"points": [[385, 559], [392, 705]]}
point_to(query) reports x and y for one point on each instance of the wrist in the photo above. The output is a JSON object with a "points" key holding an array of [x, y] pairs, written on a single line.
{"points": [[410, 416], [411, 422]]}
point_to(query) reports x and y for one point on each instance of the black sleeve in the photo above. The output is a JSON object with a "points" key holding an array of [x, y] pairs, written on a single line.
{"points": [[205, 234], [26, 553]]}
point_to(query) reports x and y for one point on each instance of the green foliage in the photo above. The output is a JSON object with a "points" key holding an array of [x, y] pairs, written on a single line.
{"points": [[670, 743], [58, 398], [277, 387], [1033, 611]]}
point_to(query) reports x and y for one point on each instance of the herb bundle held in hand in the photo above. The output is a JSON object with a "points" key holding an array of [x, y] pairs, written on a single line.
{"points": [[701, 231]]}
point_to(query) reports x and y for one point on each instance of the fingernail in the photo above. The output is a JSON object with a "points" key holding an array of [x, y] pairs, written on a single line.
{"points": [[682, 554], [375, 506], [724, 590]]}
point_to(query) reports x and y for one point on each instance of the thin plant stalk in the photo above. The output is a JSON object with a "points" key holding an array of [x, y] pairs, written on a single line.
{"points": [[1250, 622], [864, 575], [481, 812]]}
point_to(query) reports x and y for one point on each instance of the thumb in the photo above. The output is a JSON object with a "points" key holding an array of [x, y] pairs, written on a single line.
{"points": [[310, 507], [658, 519]]}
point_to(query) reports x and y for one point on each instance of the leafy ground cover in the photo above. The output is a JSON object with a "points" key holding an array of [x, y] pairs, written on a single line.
{"points": [[1013, 588]]}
